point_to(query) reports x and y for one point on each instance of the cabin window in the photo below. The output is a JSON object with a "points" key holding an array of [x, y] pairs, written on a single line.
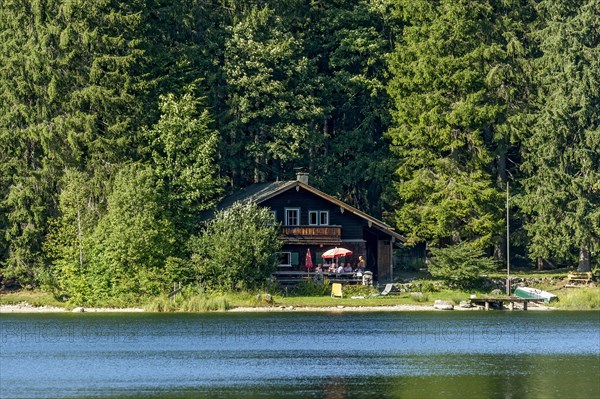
{"points": [[323, 218], [318, 218], [285, 259], [288, 259], [292, 216], [313, 218]]}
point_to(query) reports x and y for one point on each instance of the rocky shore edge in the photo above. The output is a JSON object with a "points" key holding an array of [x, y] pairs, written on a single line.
{"points": [[25, 307]]}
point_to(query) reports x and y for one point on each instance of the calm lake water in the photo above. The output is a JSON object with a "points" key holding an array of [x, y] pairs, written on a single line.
{"points": [[308, 355]]}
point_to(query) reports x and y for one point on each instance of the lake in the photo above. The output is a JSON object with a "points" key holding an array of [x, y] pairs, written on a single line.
{"points": [[306, 355]]}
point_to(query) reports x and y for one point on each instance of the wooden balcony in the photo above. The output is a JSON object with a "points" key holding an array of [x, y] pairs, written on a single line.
{"points": [[331, 235]]}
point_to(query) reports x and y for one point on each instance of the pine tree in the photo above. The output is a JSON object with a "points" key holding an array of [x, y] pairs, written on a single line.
{"points": [[349, 156], [184, 152], [30, 147], [444, 108], [269, 96], [561, 188], [68, 98]]}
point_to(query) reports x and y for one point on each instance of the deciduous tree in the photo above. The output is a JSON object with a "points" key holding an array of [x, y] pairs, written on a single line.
{"points": [[238, 249]]}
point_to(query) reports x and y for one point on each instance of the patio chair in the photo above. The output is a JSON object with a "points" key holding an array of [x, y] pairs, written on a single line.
{"points": [[336, 290], [388, 288]]}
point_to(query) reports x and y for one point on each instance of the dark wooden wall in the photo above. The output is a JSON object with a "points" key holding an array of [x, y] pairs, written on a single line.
{"points": [[352, 225], [357, 236]]}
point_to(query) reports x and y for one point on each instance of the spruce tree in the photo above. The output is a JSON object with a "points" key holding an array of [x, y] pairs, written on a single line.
{"points": [[269, 96], [69, 87], [184, 151], [561, 187], [443, 110], [349, 156]]}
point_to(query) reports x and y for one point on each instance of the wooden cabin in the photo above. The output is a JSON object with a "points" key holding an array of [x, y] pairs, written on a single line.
{"points": [[314, 221]]}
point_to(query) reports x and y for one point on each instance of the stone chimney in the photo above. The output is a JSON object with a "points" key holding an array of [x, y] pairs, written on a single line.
{"points": [[302, 177]]}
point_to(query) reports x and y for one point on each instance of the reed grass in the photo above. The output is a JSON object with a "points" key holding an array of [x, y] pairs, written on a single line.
{"points": [[196, 303], [579, 299], [422, 298]]}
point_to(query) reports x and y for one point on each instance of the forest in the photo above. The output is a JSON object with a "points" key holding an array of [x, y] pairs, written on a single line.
{"points": [[121, 121]]}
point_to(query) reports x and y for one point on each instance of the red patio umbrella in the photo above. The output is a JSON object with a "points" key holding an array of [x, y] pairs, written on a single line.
{"points": [[336, 253], [308, 262]]}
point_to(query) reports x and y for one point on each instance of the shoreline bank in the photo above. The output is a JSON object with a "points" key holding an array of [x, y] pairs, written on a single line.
{"points": [[27, 308]]}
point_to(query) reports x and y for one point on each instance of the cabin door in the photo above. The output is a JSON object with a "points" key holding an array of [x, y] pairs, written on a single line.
{"points": [[384, 261]]}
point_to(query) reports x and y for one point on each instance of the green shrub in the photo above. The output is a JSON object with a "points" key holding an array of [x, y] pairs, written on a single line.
{"points": [[262, 300], [419, 297], [460, 265], [196, 303], [428, 286], [160, 304], [271, 287], [456, 298], [312, 288], [237, 250], [358, 290], [205, 304]]}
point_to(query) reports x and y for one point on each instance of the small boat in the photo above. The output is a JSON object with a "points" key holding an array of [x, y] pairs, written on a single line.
{"points": [[533, 293]]}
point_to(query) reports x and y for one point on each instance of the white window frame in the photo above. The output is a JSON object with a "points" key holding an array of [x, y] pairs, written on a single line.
{"points": [[287, 216], [319, 217], [321, 213], [289, 259], [310, 216]]}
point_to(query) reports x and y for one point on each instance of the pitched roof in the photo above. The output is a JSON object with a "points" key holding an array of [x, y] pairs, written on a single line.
{"points": [[372, 221], [257, 193], [261, 192]]}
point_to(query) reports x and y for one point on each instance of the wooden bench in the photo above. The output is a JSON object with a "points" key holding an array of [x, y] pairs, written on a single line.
{"points": [[578, 278]]}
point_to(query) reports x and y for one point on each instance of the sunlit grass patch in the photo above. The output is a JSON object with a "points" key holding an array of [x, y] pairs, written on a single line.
{"points": [[33, 298], [585, 298]]}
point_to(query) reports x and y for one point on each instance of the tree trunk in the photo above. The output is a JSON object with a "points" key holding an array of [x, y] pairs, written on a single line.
{"points": [[79, 236], [584, 260], [500, 248]]}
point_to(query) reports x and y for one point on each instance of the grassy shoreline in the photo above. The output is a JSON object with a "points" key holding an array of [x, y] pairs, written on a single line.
{"points": [[580, 298]]}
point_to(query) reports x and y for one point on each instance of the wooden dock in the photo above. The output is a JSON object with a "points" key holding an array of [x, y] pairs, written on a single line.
{"points": [[499, 302]]}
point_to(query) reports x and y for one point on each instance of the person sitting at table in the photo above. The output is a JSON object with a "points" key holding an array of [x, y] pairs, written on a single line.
{"points": [[332, 268], [361, 264], [340, 269], [348, 268], [319, 269]]}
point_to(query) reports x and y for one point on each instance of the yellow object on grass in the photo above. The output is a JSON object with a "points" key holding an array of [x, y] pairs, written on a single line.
{"points": [[336, 290]]}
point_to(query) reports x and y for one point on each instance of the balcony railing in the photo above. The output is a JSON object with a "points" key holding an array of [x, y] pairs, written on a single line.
{"points": [[312, 234]]}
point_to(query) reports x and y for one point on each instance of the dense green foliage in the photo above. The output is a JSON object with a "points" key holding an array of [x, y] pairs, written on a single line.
{"points": [[444, 107], [561, 157], [121, 121], [461, 264], [238, 249]]}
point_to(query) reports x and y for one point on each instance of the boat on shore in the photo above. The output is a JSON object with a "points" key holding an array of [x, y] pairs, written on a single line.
{"points": [[534, 293]]}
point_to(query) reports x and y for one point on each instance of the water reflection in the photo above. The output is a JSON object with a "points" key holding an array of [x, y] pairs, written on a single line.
{"points": [[404, 355]]}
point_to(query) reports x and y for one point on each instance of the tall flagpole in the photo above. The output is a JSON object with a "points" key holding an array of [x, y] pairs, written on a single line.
{"points": [[507, 245]]}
